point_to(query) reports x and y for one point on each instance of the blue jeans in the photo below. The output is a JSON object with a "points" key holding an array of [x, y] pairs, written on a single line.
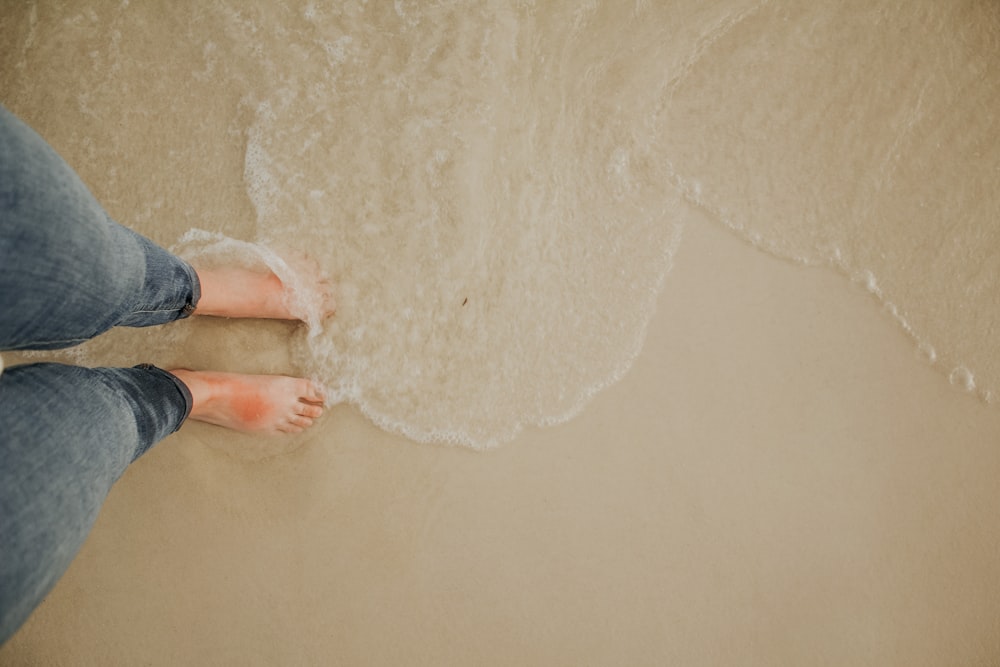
{"points": [[68, 273]]}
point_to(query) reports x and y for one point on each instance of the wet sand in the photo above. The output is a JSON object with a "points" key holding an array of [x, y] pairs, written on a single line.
{"points": [[779, 480]]}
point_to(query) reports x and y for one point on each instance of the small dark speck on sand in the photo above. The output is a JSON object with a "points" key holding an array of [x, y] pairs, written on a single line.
{"points": [[465, 301]]}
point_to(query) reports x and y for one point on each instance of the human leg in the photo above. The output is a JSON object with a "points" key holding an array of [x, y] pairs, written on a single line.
{"points": [[67, 271], [66, 435]]}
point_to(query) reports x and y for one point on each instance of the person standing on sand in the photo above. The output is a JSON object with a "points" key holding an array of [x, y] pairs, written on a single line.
{"points": [[67, 274]]}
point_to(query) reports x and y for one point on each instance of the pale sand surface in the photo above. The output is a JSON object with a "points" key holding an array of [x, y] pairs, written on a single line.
{"points": [[779, 480]]}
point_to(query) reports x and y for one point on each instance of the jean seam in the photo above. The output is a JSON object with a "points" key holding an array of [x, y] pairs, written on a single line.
{"points": [[178, 309], [185, 304], [33, 344]]}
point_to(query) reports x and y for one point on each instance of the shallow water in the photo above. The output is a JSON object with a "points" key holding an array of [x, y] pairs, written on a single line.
{"points": [[866, 137], [498, 188]]}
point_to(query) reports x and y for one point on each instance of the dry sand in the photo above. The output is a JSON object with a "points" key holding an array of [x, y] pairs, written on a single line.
{"points": [[779, 480]]}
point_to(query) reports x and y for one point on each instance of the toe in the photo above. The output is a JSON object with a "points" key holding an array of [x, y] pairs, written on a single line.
{"points": [[312, 393], [299, 420], [307, 410]]}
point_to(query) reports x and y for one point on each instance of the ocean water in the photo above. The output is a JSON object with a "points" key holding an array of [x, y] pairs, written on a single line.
{"points": [[866, 138], [498, 188]]}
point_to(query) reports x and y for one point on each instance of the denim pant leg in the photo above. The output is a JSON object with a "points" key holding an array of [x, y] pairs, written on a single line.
{"points": [[68, 433], [67, 271]]}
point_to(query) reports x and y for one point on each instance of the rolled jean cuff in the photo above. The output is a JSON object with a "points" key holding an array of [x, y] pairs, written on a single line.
{"points": [[181, 388], [192, 303], [170, 291], [160, 402]]}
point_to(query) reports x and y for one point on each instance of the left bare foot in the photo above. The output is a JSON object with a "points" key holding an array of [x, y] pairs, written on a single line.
{"points": [[252, 403]]}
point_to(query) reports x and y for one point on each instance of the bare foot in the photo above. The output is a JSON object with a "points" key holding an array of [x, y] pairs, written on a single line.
{"points": [[240, 292], [252, 403]]}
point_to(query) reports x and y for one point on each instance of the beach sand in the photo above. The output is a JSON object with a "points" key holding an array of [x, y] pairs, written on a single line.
{"points": [[779, 480]]}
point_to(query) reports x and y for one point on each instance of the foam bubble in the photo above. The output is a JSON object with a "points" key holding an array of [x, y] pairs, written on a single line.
{"points": [[962, 378]]}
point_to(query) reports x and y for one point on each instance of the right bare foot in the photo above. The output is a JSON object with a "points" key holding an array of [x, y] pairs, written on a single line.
{"points": [[240, 292], [252, 403]]}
